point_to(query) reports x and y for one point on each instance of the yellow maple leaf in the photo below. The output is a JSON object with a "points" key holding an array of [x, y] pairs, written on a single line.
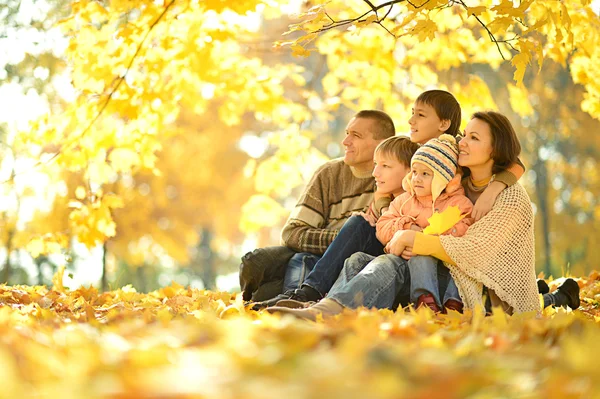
{"points": [[57, 280], [520, 61], [299, 51], [425, 29], [441, 222]]}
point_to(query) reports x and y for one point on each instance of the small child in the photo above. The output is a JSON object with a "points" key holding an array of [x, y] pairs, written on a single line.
{"points": [[432, 185]]}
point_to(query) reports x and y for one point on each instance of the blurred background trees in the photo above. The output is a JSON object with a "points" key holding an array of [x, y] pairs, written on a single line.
{"points": [[144, 142]]}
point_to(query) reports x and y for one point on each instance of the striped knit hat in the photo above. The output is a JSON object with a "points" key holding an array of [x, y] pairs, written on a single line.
{"points": [[441, 156]]}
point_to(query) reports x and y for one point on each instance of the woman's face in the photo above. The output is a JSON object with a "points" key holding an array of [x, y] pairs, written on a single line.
{"points": [[475, 149]]}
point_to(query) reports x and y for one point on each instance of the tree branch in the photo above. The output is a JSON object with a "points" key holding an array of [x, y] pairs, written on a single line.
{"points": [[336, 24], [372, 7], [119, 80]]}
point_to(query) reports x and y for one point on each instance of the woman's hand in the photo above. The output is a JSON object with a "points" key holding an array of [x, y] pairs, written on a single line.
{"points": [[401, 243], [407, 253], [486, 200]]}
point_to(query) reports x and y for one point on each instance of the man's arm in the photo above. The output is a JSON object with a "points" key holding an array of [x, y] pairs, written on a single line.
{"points": [[304, 230]]}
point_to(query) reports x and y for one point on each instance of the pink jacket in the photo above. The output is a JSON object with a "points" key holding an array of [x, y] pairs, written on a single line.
{"points": [[408, 210]]}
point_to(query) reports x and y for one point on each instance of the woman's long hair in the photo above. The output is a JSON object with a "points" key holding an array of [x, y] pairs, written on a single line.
{"points": [[505, 143]]}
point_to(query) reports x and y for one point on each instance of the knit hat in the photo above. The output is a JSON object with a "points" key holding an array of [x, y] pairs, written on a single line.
{"points": [[441, 156]]}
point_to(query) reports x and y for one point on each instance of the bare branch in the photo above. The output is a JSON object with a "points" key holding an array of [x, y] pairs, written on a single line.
{"points": [[491, 35], [372, 7], [388, 12]]}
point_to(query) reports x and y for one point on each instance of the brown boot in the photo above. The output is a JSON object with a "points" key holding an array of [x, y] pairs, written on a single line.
{"points": [[453, 304], [429, 301]]}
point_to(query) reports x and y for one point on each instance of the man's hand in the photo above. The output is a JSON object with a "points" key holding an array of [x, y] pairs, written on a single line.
{"points": [[401, 243], [486, 200]]}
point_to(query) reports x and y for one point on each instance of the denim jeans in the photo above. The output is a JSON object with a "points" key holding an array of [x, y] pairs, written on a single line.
{"points": [[371, 281], [428, 275], [356, 235], [297, 269]]}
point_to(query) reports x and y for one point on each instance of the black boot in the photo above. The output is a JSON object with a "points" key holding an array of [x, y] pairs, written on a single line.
{"points": [[570, 289], [542, 286], [566, 295]]}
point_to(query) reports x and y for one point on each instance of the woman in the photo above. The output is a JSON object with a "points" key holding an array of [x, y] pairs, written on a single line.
{"points": [[496, 252]]}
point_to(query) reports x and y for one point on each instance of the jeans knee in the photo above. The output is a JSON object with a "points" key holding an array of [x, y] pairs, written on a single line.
{"points": [[422, 262], [356, 222], [358, 261]]}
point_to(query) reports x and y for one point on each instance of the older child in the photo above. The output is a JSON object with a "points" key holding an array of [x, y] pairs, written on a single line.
{"points": [[433, 184], [392, 162]]}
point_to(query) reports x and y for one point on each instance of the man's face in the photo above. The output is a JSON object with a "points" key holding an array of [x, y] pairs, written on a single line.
{"points": [[359, 143]]}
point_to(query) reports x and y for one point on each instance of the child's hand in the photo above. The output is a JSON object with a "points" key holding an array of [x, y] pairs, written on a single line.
{"points": [[414, 227], [368, 217], [486, 200]]}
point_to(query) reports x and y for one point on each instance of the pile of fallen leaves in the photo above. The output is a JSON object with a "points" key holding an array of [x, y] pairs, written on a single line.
{"points": [[186, 343]]}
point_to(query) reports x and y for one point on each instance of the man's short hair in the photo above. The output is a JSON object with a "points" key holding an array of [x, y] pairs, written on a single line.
{"points": [[384, 124], [398, 147], [446, 106]]}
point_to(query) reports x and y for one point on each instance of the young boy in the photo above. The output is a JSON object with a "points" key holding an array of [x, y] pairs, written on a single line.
{"points": [[392, 162], [432, 184]]}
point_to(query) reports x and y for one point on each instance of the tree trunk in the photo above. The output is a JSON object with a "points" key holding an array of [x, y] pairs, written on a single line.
{"points": [[541, 186], [142, 286], [6, 271], [206, 260], [104, 281]]}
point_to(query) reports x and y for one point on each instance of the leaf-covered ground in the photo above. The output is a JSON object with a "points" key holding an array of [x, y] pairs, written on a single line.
{"points": [[186, 343]]}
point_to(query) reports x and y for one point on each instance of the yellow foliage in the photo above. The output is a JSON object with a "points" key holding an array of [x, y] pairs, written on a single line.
{"points": [[260, 211], [207, 344], [519, 101]]}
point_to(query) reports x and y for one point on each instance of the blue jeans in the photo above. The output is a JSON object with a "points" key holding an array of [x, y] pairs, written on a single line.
{"points": [[297, 269], [372, 282], [426, 275], [356, 235]]}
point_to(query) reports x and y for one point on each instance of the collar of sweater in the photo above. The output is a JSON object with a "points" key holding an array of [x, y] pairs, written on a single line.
{"points": [[361, 174]]}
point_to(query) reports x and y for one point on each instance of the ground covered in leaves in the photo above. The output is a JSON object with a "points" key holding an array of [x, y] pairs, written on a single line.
{"points": [[186, 343]]}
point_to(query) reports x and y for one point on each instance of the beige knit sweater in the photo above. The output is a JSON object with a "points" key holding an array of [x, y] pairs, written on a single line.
{"points": [[499, 252]]}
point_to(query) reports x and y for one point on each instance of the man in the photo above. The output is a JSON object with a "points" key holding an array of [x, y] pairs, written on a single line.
{"points": [[337, 189]]}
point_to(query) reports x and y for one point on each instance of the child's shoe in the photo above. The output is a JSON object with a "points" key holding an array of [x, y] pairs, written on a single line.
{"points": [[429, 301], [453, 304]]}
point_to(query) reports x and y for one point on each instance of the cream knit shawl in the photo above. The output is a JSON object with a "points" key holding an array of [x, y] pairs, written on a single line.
{"points": [[498, 251]]}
